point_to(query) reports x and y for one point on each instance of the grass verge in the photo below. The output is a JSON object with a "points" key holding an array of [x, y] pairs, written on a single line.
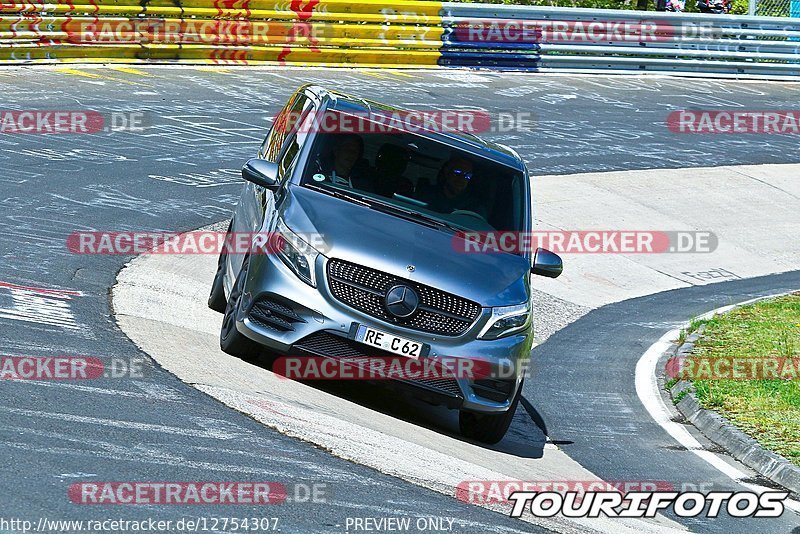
{"points": [[767, 410]]}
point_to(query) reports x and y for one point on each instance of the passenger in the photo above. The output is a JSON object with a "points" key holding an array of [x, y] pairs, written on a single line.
{"points": [[452, 191], [390, 164]]}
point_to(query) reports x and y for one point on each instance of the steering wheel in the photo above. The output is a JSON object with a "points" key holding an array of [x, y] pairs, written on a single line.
{"points": [[469, 214]]}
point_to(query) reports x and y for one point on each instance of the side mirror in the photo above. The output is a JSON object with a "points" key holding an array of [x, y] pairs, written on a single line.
{"points": [[546, 263], [261, 172]]}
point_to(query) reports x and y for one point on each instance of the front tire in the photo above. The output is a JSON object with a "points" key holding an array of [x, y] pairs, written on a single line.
{"points": [[230, 339], [217, 300], [488, 428]]}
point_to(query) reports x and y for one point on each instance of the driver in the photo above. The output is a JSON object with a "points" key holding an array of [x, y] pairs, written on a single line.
{"points": [[452, 191], [344, 165]]}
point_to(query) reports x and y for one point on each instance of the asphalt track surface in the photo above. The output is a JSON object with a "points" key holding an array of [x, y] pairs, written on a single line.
{"points": [[182, 173]]}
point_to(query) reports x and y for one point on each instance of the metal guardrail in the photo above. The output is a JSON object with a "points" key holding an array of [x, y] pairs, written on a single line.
{"points": [[405, 33], [640, 41]]}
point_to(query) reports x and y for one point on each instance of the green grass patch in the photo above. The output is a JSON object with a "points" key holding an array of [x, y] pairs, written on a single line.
{"points": [[679, 397], [767, 410], [695, 324], [669, 383]]}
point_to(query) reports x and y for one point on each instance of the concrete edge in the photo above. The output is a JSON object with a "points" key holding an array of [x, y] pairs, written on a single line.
{"points": [[725, 434]]}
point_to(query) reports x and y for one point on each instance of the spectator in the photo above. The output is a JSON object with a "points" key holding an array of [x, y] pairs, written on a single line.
{"points": [[676, 6], [717, 7]]}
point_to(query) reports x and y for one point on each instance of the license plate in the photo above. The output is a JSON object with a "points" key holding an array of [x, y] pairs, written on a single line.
{"points": [[389, 342]]}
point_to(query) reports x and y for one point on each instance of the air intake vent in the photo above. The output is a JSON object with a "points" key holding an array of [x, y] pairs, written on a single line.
{"points": [[271, 314]]}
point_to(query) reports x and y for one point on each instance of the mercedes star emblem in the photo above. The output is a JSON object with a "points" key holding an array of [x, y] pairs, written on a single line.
{"points": [[401, 301]]}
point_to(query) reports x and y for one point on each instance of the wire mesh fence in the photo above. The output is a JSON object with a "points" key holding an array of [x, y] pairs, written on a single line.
{"points": [[774, 8]]}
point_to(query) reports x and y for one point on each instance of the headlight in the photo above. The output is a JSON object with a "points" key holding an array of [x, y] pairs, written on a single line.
{"points": [[507, 320], [298, 255]]}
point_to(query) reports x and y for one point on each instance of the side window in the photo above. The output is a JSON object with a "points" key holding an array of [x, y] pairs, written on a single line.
{"points": [[294, 144], [292, 149], [283, 127]]}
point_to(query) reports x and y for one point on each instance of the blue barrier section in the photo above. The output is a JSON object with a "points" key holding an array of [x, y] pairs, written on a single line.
{"points": [[498, 60], [463, 46], [463, 37]]}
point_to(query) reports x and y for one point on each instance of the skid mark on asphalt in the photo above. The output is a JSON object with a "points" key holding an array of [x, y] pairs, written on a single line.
{"points": [[150, 390], [213, 178], [608, 407], [467, 78], [193, 129], [209, 430], [155, 390], [145, 453], [283, 457], [275, 456]]}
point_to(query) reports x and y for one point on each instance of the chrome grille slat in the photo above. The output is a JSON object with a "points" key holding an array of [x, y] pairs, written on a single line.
{"points": [[357, 285], [363, 288]]}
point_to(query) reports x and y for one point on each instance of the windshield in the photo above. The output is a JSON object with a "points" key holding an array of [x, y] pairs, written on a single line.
{"points": [[419, 177]]}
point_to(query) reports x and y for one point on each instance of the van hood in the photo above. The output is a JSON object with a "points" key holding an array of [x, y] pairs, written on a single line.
{"points": [[381, 241]]}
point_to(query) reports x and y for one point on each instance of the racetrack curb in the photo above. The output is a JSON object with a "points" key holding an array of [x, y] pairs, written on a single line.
{"points": [[722, 432]]}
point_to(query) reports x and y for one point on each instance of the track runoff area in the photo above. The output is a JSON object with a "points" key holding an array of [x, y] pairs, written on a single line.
{"points": [[148, 153]]}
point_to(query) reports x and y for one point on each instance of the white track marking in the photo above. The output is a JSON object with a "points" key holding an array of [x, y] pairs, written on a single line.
{"points": [[648, 392], [31, 305]]}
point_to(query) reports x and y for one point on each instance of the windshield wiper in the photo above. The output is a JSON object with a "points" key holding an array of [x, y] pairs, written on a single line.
{"points": [[413, 215], [358, 199], [410, 215]]}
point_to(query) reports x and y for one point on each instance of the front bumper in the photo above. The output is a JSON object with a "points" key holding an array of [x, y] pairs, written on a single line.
{"points": [[313, 312]]}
